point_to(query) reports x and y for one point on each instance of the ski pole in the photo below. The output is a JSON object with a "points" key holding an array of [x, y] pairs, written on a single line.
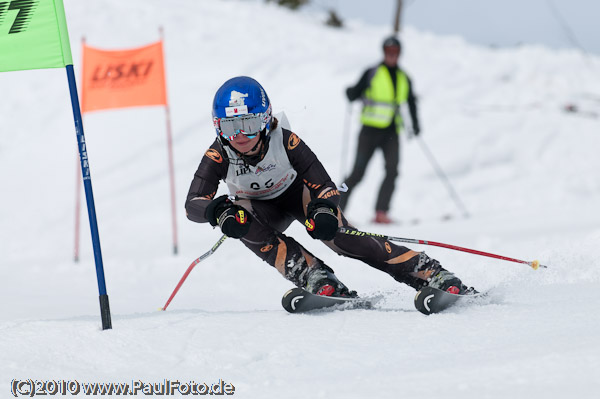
{"points": [[533, 264], [345, 133], [443, 177], [189, 269]]}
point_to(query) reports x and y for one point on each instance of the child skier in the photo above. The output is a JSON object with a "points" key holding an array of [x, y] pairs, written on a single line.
{"points": [[274, 178]]}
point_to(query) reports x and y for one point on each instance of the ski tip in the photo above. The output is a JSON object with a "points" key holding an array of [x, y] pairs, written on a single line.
{"points": [[161, 309]]}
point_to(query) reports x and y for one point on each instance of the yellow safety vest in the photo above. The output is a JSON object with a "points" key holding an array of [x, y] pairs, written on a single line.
{"points": [[380, 105]]}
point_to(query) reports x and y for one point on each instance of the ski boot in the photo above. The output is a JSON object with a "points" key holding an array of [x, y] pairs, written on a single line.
{"points": [[322, 281], [440, 278], [447, 281], [381, 217]]}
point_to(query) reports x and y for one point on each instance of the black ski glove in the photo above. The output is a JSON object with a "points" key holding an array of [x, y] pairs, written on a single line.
{"points": [[349, 94], [233, 220], [321, 219]]}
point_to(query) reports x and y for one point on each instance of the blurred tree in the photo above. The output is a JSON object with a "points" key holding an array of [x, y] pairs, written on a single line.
{"points": [[334, 20], [398, 19], [292, 4]]}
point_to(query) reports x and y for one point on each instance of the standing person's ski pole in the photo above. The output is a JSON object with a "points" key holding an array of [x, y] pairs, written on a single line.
{"points": [[533, 264], [442, 177], [191, 267], [345, 134]]}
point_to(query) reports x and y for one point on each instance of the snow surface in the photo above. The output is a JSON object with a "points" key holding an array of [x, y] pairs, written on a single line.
{"points": [[528, 173]]}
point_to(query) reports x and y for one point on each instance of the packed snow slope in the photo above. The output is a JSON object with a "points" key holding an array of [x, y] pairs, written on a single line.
{"points": [[527, 172]]}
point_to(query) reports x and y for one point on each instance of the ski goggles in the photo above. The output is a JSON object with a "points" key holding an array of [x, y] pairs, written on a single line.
{"points": [[248, 125]]}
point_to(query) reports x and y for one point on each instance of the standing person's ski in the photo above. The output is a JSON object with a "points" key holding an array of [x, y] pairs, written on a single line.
{"points": [[298, 300]]}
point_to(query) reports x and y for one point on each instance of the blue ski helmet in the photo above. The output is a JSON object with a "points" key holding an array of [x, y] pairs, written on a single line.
{"points": [[241, 105]]}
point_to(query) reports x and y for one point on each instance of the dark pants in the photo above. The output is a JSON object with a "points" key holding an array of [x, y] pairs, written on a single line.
{"points": [[369, 140], [267, 240]]}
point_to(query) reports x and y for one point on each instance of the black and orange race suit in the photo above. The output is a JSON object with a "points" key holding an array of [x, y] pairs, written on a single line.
{"points": [[272, 217]]}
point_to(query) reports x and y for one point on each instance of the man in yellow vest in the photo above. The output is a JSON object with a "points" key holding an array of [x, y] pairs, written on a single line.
{"points": [[382, 89]]}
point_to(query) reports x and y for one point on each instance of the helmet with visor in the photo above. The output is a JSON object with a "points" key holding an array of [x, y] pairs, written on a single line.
{"points": [[241, 106]]}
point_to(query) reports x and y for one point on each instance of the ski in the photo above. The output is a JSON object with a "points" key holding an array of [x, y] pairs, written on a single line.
{"points": [[298, 300], [432, 300], [427, 301]]}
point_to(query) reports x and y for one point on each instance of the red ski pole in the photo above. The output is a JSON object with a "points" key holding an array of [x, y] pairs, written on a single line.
{"points": [[191, 267], [533, 264]]}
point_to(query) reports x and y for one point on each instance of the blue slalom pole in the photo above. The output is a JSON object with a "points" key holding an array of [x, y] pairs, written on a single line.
{"points": [[89, 196]]}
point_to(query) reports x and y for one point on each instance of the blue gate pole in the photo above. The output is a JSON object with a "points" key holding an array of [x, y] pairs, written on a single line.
{"points": [[89, 196]]}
